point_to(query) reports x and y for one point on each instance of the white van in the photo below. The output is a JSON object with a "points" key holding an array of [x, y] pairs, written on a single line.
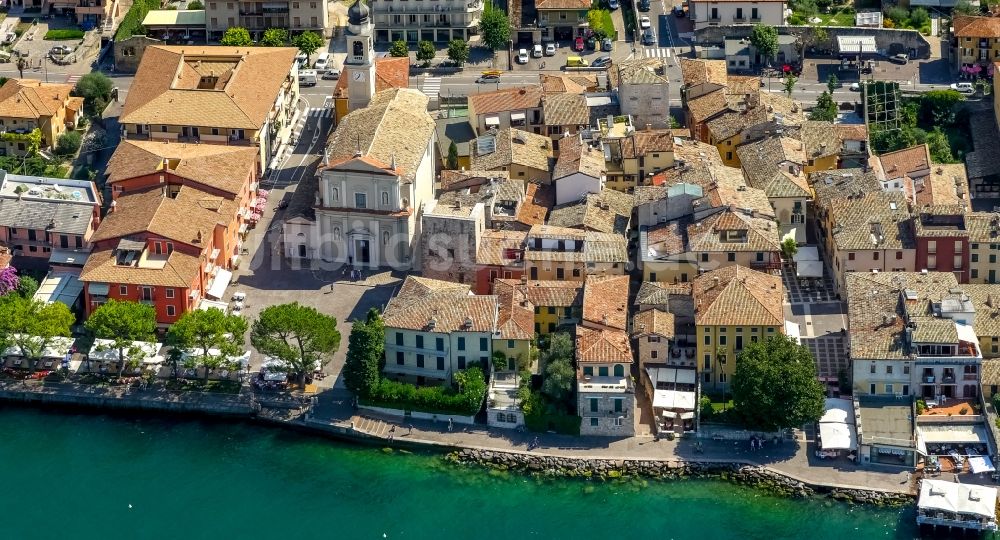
{"points": [[307, 77], [322, 62], [302, 58]]}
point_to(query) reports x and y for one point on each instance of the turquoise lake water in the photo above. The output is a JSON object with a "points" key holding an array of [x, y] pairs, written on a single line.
{"points": [[75, 475]]}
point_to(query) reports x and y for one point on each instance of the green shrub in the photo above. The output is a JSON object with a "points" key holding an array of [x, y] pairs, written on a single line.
{"points": [[433, 399], [64, 35], [69, 143], [131, 24], [195, 4], [560, 423]]}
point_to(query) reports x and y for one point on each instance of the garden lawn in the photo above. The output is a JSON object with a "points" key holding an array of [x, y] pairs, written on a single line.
{"points": [[66, 34]]}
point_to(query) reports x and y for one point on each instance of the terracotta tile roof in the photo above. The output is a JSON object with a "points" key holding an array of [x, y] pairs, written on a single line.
{"points": [[151, 212], [515, 147], [702, 71], [976, 27], [538, 199], [495, 247], [226, 168], [747, 85], [179, 270], [566, 110], [507, 99], [732, 123], [728, 188], [990, 372], [906, 162], [609, 211], [653, 321], [874, 220], [562, 4], [390, 73], [708, 105], [166, 86], [986, 299], [644, 71], [877, 313], [598, 247], [576, 83], [696, 152], [829, 186], [981, 226], [789, 111], [775, 165], [851, 132], [542, 293], [738, 296], [602, 346], [947, 185], [675, 298], [516, 318], [394, 126], [432, 305], [706, 235], [820, 139], [646, 141], [577, 157], [605, 301], [451, 180], [27, 98]]}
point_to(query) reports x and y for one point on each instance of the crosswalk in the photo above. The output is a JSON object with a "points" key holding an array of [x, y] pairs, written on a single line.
{"points": [[72, 79], [318, 112], [656, 52], [431, 87]]}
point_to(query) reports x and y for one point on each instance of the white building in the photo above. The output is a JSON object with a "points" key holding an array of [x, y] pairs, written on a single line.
{"points": [[726, 12], [579, 170], [379, 169]]}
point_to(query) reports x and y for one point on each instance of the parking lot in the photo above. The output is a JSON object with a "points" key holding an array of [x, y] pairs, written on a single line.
{"points": [[563, 51], [934, 71], [33, 46]]}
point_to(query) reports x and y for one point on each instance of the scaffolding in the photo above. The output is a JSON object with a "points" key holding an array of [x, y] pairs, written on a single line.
{"points": [[883, 103]]}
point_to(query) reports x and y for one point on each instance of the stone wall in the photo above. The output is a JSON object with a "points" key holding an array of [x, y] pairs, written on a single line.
{"points": [[888, 41], [610, 469], [128, 52]]}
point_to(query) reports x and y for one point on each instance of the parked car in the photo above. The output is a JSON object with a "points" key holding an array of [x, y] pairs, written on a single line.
{"points": [[488, 78], [576, 61], [9, 38], [607, 45], [536, 50], [644, 22], [331, 74], [855, 87], [591, 43], [307, 77], [60, 50], [964, 87], [522, 56], [678, 11], [603, 61], [900, 58], [643, 5], [550, 49], [648, 37], [302, 58], [578, 44], [322, 62]]}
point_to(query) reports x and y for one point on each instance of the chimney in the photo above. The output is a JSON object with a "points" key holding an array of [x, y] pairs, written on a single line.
{"points": [[199, 237], [649, 127], [715, 282], [392, 162]]}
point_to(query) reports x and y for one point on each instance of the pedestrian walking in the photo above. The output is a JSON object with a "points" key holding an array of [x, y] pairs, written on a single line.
{"points": [[450, 426], [410, 428]]}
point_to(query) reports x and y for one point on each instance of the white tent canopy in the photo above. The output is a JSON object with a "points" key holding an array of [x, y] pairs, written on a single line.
{"points": [[56, 349], [958, 498], [220, 283], [836, 426], [243, 360], [838, 410], [981, 464], [672, 399], [105, 351], [807, 262]]}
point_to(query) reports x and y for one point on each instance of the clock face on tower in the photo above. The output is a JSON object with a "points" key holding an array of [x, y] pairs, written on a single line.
{"points": [[359, 75]]}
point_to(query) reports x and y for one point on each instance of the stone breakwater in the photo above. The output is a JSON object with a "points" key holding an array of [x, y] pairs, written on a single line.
{"points": [[754, 476]]}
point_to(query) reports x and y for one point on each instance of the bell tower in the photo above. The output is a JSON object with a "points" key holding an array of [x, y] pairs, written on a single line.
{"points": [[359, 68]]}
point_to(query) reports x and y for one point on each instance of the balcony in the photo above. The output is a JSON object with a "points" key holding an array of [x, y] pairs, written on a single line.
{"points": [[755, 18], [928, 379], [714, 19], [417, 8], [606, 414], [948, 379], [739, 18]]}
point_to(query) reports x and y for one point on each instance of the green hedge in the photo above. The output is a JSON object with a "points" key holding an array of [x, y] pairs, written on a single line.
{"points": [[560, 423], [432, 399], [132, 22], [64, 35]]}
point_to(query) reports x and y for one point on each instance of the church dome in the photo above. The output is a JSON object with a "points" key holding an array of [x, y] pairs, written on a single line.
{"points": [[357, 14]]}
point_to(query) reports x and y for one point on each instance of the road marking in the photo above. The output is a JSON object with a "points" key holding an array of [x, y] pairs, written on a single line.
{"points": [[72, 79], [657, 52], [319, 112], [431, 87]]}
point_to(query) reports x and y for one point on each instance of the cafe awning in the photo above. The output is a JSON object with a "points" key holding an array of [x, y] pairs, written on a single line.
{"points": [[492, 120], [516, 116], [838, 436], [98, 289], [218, 288]]}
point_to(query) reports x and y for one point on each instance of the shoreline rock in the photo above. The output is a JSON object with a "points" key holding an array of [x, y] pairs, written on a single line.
{"points": [[753, 476]]}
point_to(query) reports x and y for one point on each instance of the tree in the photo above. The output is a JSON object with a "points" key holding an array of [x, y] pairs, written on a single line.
{"points": [[598, 20], [964, 7], [195, 5], [200, 331], [825, 109], [937, 107], [452, 156], [274, 37], [308, 42], [31, 326], [9, 280], [775, 385], [788, 85], [559, 372], [832, 83], [124, 323], [365, 348], [764, 38], [937, 144], [458, 51], [21, 64], [236, 36], [69, 143], [425, 51], [300, 336], [919, 17], [95, 89], [399, 49], [494, 27], [789, 247], [27, 286]]}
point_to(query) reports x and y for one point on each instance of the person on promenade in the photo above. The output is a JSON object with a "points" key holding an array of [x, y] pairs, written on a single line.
{"points": [[410, 428], [450, 426]]}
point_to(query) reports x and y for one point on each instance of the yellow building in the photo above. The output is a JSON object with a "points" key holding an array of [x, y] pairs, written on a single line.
{"points": [[734, 306], [636, 157], [984, 246], [240, 96], [977, 41], [515, 333], [554, 303], [525, 155], [27, 105]]}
